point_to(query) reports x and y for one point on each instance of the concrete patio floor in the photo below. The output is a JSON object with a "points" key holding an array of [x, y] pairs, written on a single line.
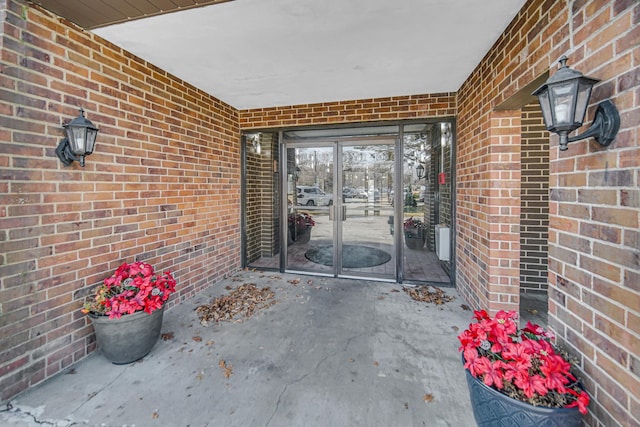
{"points": [[329, 352]]}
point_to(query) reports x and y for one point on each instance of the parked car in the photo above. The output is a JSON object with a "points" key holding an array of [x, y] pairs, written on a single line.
{"points": [[313, 196], [349, 193], [361, 194]]}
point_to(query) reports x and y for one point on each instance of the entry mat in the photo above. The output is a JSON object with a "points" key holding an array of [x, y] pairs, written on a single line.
{"points": [[353, 256]]}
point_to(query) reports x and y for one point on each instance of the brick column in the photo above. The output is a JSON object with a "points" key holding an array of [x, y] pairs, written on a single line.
{"points": [[503, 198]]}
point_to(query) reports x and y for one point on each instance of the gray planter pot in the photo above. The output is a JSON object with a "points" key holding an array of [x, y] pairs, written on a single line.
{"points": [[300, 234], [415, 238], [492, 408], [128, 338]]}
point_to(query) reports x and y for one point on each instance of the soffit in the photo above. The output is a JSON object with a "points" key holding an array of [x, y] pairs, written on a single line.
{"points": [[257, 53], [91, 14]]}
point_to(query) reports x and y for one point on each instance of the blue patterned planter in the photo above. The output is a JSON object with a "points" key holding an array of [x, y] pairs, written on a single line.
{"points": [[494, 409]]}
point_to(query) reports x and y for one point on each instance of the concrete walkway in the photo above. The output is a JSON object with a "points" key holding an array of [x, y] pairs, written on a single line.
{"points": [[328, 353]]}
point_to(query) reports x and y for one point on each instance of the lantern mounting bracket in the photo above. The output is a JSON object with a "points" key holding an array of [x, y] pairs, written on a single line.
{"points": [[605, 125], [66, 156]]}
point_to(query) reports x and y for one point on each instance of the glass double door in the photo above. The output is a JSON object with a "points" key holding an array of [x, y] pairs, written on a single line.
{"points": [[339, 210]]}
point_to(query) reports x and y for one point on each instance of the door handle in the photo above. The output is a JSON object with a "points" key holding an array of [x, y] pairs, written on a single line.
{"points": [[344, 213], [331, 213]]}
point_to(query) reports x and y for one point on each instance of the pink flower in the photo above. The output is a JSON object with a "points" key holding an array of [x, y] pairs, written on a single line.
{"points": [[531, 384], [133, 287], [581, 402], [556, 372], [497, 352], [476, 365], [494, 374]]}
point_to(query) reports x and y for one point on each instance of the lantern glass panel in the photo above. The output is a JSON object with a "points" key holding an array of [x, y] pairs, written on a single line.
{"points": [[584, 92], [77, 139], [91, 140], [545, 105], [562, 96]]}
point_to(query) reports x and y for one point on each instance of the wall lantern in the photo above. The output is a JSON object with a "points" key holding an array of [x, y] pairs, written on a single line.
{"points": [[564, 99], [254, 139], [80, 140], [420, 171]]}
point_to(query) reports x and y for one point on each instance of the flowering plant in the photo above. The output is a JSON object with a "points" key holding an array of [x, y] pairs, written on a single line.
{"points": [[521, 363], [133, 287], [301, 219], [414, 228], [412, 223]]}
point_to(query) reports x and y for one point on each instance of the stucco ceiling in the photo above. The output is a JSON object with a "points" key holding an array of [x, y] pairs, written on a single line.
{"points": [[258, 53]]}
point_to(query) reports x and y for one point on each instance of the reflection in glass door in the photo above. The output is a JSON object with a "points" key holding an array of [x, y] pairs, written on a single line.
{"points": [[341, 223], [366, 232], [346, 201], [310, 208]]}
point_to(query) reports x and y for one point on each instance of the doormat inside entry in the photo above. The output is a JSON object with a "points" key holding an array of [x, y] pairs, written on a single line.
{"points": [[353, 256]]}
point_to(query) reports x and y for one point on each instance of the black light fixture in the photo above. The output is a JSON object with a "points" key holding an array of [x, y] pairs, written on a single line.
{"points": [[420, 171], [564, 99], [80, 140], [255, 142]]}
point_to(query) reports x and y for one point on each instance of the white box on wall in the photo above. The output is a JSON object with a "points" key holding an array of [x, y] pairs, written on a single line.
{"points": [[442, 242]]}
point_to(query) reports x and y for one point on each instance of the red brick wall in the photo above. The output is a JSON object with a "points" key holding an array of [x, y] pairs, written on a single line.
{"points": [[362, 110], [594, 242], [162, 186]]}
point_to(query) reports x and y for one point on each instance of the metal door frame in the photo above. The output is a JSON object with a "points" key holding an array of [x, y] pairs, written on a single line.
{"points": [[337, 143]]}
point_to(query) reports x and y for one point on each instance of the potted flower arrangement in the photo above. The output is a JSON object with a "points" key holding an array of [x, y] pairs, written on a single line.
{"points": [[415, 233], [300, 224], [126, 311], [516, 376]]}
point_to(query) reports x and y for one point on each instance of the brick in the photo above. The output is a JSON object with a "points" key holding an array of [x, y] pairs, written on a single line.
{"points": [[613, 178], [616, 333], [619, 374], [630, 198], [610, 215], [620, 295]]}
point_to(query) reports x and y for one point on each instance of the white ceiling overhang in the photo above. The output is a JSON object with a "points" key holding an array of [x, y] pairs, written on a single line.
{"points": [[258, 53]]}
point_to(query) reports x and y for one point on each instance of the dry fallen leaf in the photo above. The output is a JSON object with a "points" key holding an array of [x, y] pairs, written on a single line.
{"points": [[394, 290], [465, 307], [294, 281], [375, 363], [422, 293], [243, 301], [155, 414], [428, 397], [197, 338], [228, 369], [167, 336], [455, 328], [210, 343], [532, 311]]}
